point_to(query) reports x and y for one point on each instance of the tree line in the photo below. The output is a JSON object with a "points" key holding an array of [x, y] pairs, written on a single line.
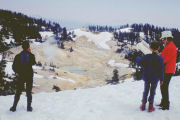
{"points": [[150, 32], [21, 27]]}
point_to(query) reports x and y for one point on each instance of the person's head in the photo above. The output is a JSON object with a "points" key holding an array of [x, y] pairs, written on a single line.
{"points": [[154, 46], [166, 37], [25, 45]]}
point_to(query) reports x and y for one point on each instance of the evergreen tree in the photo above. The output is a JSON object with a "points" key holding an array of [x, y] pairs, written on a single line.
{"points": [[64, 34], [2, 74], [2, 69]]}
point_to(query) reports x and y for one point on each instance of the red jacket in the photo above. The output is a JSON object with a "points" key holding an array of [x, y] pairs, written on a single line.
{"points": [[169, 54]]}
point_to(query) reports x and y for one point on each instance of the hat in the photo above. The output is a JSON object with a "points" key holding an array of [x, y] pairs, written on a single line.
{"points": [[166, 34]]}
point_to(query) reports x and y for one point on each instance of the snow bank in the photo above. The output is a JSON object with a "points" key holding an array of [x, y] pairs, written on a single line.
{"points": [[110, 102], [8, 41], [8, 69], [99, 39], [38, 76], [35, 85], [46, 34], [36, 43], [37, 67], [113, 64], [60, 78], [7, 79]]}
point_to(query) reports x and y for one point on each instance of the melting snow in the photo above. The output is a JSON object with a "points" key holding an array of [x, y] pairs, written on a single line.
{"points": [[8, 69], [113, 64], [46, 34], [100, 39], [60, 78]]}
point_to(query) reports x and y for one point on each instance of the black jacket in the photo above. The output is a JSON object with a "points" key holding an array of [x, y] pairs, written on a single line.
{"points": [[23, 63]]}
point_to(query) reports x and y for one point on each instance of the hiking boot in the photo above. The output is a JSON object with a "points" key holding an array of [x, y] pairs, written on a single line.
{"points": [[29, 109], [165, 106], [13, 109], [143, 107], [151, 108]]}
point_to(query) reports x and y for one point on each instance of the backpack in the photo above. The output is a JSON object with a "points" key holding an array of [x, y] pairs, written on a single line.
{"points": [[22, 63], [24, 59]]}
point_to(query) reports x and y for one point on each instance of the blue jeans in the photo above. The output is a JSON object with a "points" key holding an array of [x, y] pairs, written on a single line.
{"points": [[149, 86]]}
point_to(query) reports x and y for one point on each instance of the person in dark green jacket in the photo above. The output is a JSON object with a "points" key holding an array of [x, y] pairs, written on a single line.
{"points": [[22, 66]]}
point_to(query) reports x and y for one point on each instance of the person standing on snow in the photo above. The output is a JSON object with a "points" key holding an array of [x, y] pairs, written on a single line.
{"points": [[153, 71], [169, 54], [22, 66]]}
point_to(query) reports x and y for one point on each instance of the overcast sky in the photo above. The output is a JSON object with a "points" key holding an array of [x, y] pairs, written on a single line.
{"points": [[105, 12]]}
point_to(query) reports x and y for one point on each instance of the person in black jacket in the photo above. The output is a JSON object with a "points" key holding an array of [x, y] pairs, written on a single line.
{"points": [[22, 66]]}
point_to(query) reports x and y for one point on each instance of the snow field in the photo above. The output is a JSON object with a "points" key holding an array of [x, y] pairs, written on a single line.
{"points": [[110, 102]]}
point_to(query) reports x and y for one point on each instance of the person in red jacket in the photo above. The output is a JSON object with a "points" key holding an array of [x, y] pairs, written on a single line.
{"points": [[169, 54]]}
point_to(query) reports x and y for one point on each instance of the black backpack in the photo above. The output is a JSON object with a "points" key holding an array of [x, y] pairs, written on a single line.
{"points": [[24, 59], [22, 63]]}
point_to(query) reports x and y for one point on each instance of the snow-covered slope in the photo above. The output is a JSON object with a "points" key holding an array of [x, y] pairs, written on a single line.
{"points": [[110, 102], [99, 39]]}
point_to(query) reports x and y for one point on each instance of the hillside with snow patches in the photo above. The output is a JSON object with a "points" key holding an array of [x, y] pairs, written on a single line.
{"points": [[101, 41], [110, 102], [49, 49], [90, 64]]}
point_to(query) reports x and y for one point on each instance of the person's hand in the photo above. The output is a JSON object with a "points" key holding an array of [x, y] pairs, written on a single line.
{"points": [[161, 82]]}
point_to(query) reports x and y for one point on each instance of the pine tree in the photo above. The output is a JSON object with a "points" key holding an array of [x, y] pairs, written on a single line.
{"points": [[2, 69], [2, 75], [64, 34]]}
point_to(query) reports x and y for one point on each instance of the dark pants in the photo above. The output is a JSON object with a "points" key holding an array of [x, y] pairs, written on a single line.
{"points": [[20, 86], [149, 86], [165, 89]]}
